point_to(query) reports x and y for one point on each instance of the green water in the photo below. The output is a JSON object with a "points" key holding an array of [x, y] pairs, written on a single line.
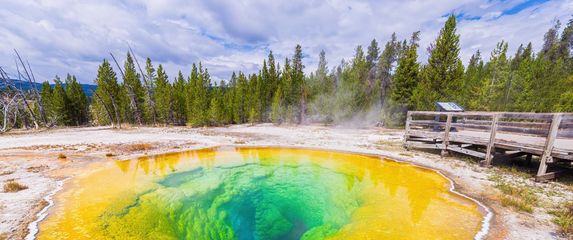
{"points": [[249, 201], [261, 193]]}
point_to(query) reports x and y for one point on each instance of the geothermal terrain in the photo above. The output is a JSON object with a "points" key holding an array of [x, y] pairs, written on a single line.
{"points": [[42, 161]]}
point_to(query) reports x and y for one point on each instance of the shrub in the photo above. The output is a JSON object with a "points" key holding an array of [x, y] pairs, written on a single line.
{"points": [[13, 186], [138, 147]]}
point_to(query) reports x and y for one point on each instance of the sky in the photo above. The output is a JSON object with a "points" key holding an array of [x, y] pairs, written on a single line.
{"points": [[71, 36]]}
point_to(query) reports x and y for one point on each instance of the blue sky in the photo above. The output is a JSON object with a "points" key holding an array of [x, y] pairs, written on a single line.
{"points": [[61, 36]]}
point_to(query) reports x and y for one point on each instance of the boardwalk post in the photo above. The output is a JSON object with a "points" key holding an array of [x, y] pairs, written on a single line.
{"points": [[546, 157], [446, 140], [407, 131], [491, 143]]}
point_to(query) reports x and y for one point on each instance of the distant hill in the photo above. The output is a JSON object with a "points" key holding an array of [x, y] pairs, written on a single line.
{"points": [[88, 88]]}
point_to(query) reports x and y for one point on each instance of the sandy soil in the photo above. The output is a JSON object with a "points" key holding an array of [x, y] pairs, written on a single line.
{"points": [[35, 159]]}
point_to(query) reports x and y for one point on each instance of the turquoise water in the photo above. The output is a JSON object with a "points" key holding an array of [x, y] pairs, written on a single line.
{"points": [[261, 193]]}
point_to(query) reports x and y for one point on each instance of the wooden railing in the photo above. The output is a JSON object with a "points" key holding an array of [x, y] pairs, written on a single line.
{"points": [[475, 134]]}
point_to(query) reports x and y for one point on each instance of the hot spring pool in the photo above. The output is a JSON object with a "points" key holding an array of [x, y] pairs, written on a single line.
{"points": [[260, 193]]}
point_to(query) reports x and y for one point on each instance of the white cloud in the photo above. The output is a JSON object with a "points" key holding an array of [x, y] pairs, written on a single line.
{"points": [[64, 36]]}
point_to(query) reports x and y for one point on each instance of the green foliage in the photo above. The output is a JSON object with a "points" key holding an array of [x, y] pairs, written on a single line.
{"points": [[60, 104], [390, 55], [371, 86], [518, 197], [277, 113], [217, 105], [240, 100], [149, 86], [78, 108], [563, 217], [321, 90], [441, 78], [296, 94], [473, 90], [179, 99], [406, 76], [46, 95], [135, 93], [163, 97], [106, 106], [373, 52]]}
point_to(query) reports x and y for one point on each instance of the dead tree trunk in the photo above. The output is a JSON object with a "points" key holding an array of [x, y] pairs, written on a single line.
{"points": [[32, 81], [5, 78], [130, 94], [148, 87]]}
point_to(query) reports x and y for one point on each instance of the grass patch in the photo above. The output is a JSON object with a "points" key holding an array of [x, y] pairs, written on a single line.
{"points": [[516, 170], [138, 147], [6, 172], [563, 217], [37, 169], [406, 154], [511, 201], [13, 186], [519, 198]]}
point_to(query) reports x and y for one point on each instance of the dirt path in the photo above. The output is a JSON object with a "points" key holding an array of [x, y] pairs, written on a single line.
{"points": [[37, 161]]}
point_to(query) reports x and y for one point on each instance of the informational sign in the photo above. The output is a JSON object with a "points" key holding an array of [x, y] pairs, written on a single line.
{"points": [[448, 107]]}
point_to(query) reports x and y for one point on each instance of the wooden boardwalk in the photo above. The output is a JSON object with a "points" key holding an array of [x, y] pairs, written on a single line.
{"points": [[495, 135]]}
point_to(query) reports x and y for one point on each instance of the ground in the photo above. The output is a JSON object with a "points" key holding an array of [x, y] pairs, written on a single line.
{"points": [[40, 160]]}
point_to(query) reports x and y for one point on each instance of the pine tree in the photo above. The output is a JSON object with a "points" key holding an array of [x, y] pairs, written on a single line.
{"points": [[277, 112], [201, 100], [498, 78], [406, 77], [60, 104], [297, 94], [216, 107], [566, 42], [178, 102], [192, 93], [78, 101], [322, 91], [46, 95], [240, 100], [273, 78], [134, 92], [255, 101], [149, 85], [107, 96], [386, 64], [163, 97], [566, 98], [473, 87], [354, 94], [550, 49], [265, 93], [226, 103], [230, 104], [441, 79], [373, 52]]}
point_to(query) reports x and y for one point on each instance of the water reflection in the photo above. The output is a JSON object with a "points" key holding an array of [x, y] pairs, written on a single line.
{"points": [[263, 193]]}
